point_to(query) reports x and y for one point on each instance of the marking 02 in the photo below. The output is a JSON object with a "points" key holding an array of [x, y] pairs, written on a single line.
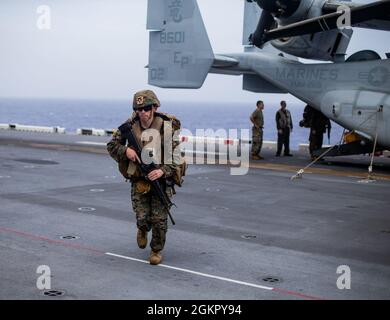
{"points": [[157, 74]]}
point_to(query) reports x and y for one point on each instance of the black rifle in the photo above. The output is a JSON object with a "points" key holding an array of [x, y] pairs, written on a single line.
{"points": [[127, 132]]}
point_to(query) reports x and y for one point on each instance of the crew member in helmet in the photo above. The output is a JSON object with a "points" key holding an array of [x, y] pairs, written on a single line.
{"points": [[150, 213]]}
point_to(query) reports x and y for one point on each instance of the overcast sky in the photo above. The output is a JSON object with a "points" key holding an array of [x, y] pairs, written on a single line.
{"points": [[99, 48]]}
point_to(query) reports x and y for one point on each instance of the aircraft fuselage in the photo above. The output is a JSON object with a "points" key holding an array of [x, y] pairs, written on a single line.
{"points": [[354, 94]]}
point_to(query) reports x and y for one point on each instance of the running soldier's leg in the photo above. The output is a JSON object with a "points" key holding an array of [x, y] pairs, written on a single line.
{"points": [[159, 220], [142, 208]]}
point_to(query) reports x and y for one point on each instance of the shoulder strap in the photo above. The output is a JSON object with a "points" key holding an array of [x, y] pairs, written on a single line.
{"points": [[164, 116], [176, 124]]}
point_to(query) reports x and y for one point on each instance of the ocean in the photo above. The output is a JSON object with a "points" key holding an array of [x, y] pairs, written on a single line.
{"points": [[109, 114]]}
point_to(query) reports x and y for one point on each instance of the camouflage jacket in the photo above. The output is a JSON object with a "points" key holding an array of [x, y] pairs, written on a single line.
{"points": [[117, 147]]}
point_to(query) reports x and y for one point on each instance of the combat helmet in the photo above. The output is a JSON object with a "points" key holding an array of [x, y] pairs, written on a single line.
{"points": [[145, 98]]}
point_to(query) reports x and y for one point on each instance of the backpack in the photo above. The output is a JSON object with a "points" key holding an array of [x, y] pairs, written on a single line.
{"points": [[181, 169]]}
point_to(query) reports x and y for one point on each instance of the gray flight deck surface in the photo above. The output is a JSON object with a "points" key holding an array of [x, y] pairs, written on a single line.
{"points": [[231, 231]]}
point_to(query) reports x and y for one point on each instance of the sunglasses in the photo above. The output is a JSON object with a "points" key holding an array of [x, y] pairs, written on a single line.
{"points": [[146, 108]]}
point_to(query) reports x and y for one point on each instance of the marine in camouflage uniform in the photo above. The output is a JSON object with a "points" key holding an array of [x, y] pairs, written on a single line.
{"points": [[150, 213], [257, 120], [318, 124]]}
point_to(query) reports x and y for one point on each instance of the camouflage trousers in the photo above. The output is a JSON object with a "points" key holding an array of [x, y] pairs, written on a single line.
{"points": [[257, 140], [151, 215]]}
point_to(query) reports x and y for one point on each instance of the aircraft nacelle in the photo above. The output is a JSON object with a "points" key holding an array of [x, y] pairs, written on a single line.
{"points": [[329, 45], [325, 46]]}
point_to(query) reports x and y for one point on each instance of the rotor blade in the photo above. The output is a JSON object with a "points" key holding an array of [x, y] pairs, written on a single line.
{"points": [[379, 10]]}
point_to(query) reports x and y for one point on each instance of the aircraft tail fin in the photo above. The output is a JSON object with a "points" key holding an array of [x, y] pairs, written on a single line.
{"points": [[180, 53]]}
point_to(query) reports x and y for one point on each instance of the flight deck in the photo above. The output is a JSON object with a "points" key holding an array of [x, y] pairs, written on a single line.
{"points": [[64, 205]]}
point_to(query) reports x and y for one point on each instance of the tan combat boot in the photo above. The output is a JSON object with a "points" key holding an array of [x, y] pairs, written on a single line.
{"points": [[142, 239], [155, 257], [256, 157]]}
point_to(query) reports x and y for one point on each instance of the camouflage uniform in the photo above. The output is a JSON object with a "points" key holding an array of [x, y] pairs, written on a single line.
{"points": [[150, 213], [257, 131]]}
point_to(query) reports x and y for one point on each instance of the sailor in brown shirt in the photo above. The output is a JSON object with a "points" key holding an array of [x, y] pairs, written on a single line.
{"points": [[257, 120]]}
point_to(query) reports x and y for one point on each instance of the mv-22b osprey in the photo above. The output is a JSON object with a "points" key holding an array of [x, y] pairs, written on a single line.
{"points": [[353, 92]]}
